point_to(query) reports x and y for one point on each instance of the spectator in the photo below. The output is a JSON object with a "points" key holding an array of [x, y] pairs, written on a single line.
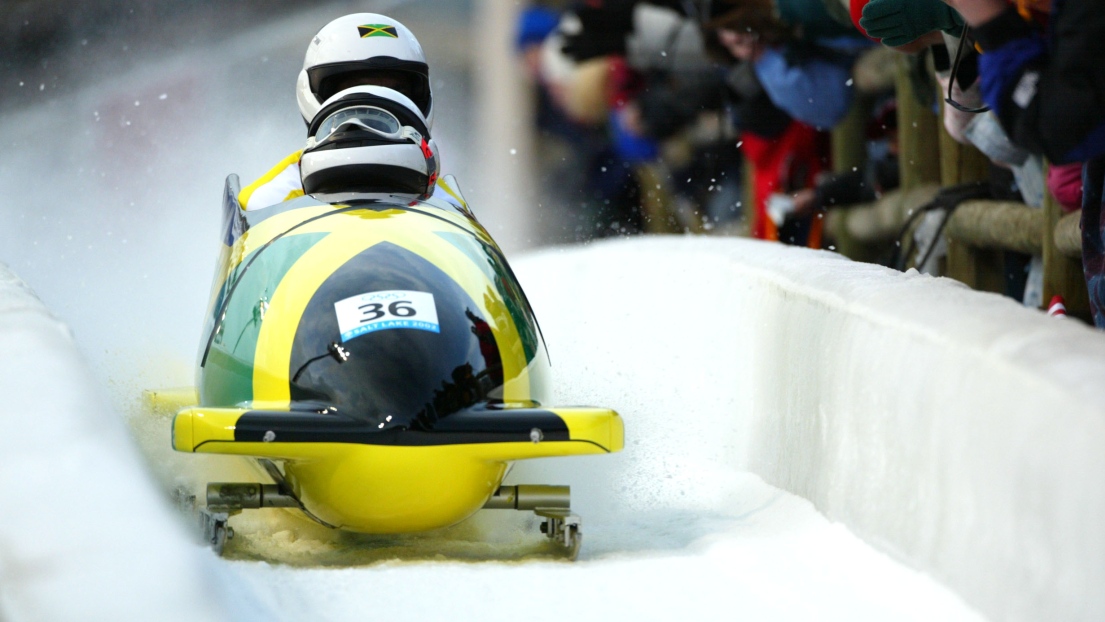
{"points": [[566, 147], [588, 190], [784, 154], [1065, 183], [862, 185], [1067, 123], [657, 84], [808, 77], [1046, 88]]}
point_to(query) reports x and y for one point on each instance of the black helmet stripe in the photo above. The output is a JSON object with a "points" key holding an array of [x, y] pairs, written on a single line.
{"points": [[319, 75]]}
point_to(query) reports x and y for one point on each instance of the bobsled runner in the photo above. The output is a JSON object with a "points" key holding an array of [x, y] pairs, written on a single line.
{"points": [[379, 360]]}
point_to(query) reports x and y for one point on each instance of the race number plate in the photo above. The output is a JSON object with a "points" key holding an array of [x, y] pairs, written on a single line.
{"points": [[375, 311]]}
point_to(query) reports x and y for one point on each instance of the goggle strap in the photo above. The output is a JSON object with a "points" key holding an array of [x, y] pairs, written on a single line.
{"points": [[415, 137]]}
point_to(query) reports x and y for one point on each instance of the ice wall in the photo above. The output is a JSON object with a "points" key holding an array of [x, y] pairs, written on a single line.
{"points": [[959, 431], [83, 532]]}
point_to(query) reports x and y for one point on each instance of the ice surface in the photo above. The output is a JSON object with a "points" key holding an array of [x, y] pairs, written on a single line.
{"points": [[768, 556]]}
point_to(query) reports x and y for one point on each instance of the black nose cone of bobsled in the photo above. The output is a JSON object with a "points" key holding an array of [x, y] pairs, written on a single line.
{"points": [[398, 374]]}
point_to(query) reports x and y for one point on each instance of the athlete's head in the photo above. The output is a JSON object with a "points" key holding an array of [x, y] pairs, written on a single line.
{"points": [[369, 140], [363, 49]]}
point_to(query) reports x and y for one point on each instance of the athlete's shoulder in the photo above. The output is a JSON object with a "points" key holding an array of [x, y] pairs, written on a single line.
{"points": [[445, 191], [280, 183]]}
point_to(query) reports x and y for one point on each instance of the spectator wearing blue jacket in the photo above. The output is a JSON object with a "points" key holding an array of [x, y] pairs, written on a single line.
{"points": [[807, 75], [1048, 88]]}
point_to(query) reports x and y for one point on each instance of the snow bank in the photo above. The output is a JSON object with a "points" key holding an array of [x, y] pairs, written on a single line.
{"points": [[83, 533], [959, 431]]}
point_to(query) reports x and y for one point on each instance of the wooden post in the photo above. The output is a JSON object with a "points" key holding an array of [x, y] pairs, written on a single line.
{"points": [[960, 163], [917, 134], [849, 137], [743, 226], [981, 268], [849, 143], [918, 142], [1062, 275], [658, 204]]}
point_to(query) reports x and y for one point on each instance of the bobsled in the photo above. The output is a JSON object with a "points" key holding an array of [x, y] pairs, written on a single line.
{"points": [[380, 361]]}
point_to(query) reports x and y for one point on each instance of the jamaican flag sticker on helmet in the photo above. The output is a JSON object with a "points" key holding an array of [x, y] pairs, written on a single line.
{"points": [[377, 30]]}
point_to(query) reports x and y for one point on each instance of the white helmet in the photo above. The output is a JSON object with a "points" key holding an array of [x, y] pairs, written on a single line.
{"points": [[364, 48], [368, 140]]}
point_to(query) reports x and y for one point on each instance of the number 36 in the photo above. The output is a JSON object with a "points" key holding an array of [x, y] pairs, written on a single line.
{"points": [[375, 310]]}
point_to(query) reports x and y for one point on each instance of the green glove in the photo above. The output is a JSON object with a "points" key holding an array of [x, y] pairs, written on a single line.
{"points": [[897, 22]]}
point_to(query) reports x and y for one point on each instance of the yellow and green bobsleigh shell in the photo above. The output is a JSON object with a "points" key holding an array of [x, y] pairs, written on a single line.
{"points": [[405, 424], [274, 311]]}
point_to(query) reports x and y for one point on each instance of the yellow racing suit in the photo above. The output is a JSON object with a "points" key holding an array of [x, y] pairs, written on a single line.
{"points": [[283, 182]]}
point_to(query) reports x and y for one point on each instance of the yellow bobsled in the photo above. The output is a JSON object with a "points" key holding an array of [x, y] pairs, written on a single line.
{"points": [[381, 361]]}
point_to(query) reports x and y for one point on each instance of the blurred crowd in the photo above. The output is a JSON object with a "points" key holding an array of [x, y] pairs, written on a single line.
{"points": [[717, 115]]}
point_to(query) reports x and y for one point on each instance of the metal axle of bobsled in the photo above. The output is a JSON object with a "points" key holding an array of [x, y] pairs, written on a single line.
{"points": [[227, 499], [553, 503]]}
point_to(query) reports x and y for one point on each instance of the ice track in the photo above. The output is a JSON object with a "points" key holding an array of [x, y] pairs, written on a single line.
{"points": [[118, 239]]}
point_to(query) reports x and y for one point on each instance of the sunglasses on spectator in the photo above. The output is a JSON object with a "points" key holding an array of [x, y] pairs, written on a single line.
{"points": [[955, 72]]}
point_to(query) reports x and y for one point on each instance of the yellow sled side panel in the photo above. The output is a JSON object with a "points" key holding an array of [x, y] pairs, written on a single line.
{"points": [[600, 426], [590, 430]]}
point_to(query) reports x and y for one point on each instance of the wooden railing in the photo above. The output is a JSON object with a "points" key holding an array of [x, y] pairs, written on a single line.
{"points": [[977, 232]]}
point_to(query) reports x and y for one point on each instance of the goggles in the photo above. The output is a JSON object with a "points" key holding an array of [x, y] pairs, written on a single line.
{"points": [[364, 118]]}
